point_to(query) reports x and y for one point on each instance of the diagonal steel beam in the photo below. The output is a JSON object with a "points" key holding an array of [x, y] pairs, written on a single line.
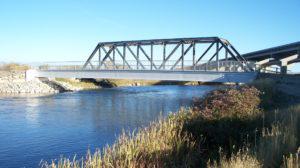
{"points": [[91, 65], [229, 51], [169, 56], [237, 53], [123, 57], [181, 57], [215, 54], [107, 53], [90, 57], [204, 53], [235, 57], [151, 62], [134, 55]]}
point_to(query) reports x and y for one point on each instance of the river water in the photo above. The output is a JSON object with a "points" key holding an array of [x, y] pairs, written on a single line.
{"points": [[46, 127]]}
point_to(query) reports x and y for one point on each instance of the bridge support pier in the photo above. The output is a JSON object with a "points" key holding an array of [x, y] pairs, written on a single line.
{"points": [[285, 61], [283, 69]]}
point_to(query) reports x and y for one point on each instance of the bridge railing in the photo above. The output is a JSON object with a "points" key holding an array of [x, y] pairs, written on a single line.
{"points": [[224, 66]]}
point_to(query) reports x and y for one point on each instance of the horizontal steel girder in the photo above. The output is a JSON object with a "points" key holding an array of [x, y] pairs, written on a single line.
{"points": [[237, 77]]}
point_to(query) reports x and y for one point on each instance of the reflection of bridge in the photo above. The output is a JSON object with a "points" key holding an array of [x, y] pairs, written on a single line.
{"points": [[160, 59], [281, 56]]}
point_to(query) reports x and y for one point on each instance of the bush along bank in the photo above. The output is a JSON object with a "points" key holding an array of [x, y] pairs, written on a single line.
{"points": [[227, 128]]}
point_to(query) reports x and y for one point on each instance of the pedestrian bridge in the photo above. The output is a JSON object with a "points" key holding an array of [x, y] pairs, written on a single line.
{"points": [[205, 59]]}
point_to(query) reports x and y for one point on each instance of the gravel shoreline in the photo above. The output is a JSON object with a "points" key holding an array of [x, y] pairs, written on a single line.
{"points": [[14, 82]]}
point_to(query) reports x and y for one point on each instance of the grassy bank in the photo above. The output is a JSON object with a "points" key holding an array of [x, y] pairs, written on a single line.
{"points": [[127, 82], [77, 84], [248, 126], [96, 83]]}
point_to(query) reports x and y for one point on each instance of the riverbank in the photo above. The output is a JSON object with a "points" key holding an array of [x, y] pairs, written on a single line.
{"points": [[13, 82], [248, 126]]}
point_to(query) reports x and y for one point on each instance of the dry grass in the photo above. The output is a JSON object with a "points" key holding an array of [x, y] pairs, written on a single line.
{"points": [[242, 159], [14, 67], [179, 140], [126, 82], [292, 160], [77, 83], [158, 145]]}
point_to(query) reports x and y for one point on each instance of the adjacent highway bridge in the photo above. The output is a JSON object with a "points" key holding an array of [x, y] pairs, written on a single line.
{"points": [[280, 56]]}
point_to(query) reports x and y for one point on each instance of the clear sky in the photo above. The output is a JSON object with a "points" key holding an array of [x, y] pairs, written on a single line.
{"points": [[67, 30]]}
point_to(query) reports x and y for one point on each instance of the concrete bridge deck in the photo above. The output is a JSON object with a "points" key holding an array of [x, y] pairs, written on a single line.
{"points": [[203, 76]]}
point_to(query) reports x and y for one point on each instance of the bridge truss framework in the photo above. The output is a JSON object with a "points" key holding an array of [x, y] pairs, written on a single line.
{"points": [[114, 55], [206, 59]]}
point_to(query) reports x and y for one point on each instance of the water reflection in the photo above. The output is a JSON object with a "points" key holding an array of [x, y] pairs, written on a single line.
{"points": [[31, 110]]}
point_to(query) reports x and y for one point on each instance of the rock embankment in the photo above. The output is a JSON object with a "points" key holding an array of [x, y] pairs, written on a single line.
{"points": [[14, 82]]}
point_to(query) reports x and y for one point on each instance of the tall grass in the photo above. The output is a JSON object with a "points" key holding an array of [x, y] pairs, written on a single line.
{"points": [[161, 144], [292, 160], [233, 119], [242, 159]]}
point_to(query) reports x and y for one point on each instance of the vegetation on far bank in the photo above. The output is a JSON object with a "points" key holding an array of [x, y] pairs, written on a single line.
{"points": [[247, 126], [14, 67], [128, 82], [96, 83], [77, 83]]}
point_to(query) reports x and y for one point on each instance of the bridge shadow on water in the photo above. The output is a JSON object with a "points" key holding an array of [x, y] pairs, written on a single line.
{"points": [[107, 83]]}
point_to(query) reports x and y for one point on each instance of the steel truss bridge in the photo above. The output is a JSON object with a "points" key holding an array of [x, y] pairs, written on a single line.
{"points": [[207, 59]]}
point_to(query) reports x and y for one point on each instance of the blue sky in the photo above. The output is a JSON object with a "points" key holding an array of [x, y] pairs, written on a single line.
{"points": [[66, 30]]}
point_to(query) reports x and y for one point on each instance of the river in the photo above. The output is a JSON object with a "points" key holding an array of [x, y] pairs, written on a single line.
{"points": [[46, 127]]}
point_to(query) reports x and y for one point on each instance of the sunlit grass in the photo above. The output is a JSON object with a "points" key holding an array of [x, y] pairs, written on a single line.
{"points": [[189, 137], [78, 83]]}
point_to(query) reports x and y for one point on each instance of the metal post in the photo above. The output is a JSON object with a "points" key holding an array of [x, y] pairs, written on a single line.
{"points": [[164, 56], [217, 56], [137, 55], [99, 63], [182, 54], [114, 58], [124, 55], [151, 55], [194, 53], [226, 59]]}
